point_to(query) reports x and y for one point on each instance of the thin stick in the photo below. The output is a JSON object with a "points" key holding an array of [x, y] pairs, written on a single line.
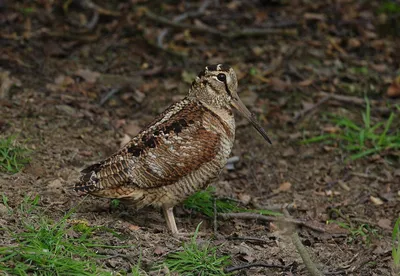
{"points": [[240, 267], [303, 251], [270, 219]]}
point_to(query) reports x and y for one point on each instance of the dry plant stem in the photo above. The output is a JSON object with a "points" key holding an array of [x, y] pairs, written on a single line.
{"points": [[231, 35], [270, 218], [303, 251]]}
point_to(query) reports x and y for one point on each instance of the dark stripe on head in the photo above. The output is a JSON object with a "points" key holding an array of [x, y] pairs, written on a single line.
{"points": [[202, 74], [227, 89], [218, 67], [213, 67]]}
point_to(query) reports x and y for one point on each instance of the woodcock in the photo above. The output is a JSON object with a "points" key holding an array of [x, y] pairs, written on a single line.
{"points": [[180, 152]]}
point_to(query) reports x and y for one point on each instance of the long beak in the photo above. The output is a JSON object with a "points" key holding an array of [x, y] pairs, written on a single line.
{"points": [[238, 104]]}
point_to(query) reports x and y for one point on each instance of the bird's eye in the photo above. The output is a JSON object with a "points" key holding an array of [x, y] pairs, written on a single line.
{"points": [[221, 77]]}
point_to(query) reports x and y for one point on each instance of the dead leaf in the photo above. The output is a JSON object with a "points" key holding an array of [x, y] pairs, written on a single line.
{"points": [[353, 43], [133, 227], [248, 258], [376, 200], [314, 16], [385, 224], [343, 185], [62, 80], [159, 250], [394, 89], [284, 187], [244, 198], [331, 129], [307, 82], [88, 75]]}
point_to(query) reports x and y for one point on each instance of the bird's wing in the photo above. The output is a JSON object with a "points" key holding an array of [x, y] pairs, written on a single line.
{"points": [[173, 145]]}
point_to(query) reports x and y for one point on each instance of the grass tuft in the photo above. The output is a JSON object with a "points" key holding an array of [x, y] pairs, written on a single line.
{"points": [[197, 259], [13, 157], [362, 140], [203, 202], [41, 246], [363, 232]]}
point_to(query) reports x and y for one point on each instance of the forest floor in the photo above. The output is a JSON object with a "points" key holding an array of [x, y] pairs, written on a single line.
{"points": [[79, 80]]}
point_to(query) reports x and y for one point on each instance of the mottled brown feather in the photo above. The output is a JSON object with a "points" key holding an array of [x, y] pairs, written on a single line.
{"points": [[171, 147]]}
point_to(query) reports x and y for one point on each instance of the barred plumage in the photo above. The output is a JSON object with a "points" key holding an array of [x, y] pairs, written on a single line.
{"points": [[180, 152]]}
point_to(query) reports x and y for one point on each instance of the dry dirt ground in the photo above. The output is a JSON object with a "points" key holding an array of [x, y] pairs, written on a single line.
{"points": [[86, 79]]}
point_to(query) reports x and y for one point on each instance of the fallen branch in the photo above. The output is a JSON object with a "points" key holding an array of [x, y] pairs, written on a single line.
{"points": [[240, 267], [303, 251], [270, 219], [205, 29]]}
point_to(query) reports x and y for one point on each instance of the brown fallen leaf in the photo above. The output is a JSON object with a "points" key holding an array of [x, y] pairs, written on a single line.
{"points": [[133, 227], [307, 82], [159, 250], [62, 80], [283, 187], [353, 43], [314, 16], [88, 75], [394, 89], [376, 200], [385, 224], [331, 129]]}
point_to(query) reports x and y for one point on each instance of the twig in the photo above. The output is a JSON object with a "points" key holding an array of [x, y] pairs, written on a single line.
{"points": [[270, 219], [303, 251], [111, 93], [305, 111], [93, 6], [230, 35], [357, 101], [93, 21], [240, 267], [367, 176], [251, 239]]}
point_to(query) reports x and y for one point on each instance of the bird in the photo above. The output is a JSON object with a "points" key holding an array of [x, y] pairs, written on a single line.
{"points": [[180, 152]]}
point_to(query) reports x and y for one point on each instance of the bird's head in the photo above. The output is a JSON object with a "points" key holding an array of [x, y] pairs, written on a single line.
{"points": [[217, 86]]}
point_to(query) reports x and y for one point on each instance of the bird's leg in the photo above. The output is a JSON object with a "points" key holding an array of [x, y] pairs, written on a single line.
{"points": [[169, 217]]}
